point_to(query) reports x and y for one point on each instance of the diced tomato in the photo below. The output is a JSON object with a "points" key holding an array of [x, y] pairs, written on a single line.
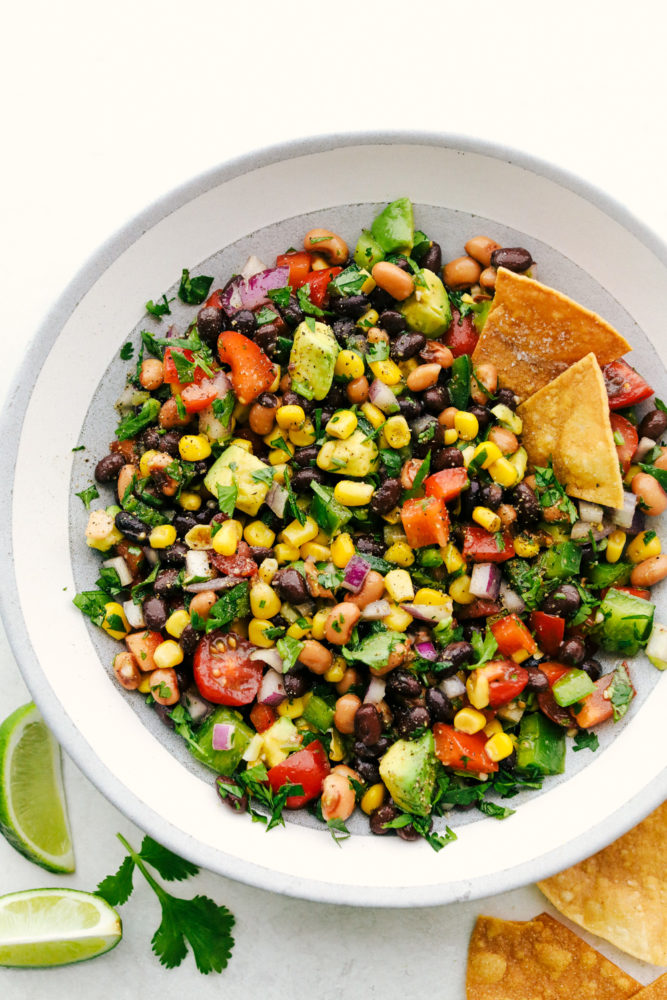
{"points": [[425, 522], [635, 591], [169, 370], [512, 635], [621, 426], [262, 717], [506, 680], [308, 768], [252, 371], [240, 564], [462, 751], [446, 484], [142, 645], [549, 629], [214, 301], [479, 608], [462, 336], [299, 266], [553, 671], [550, 707], [481, 546], [223, 670], [318, 282], [595, 708], [198, 397], [624, 385]]}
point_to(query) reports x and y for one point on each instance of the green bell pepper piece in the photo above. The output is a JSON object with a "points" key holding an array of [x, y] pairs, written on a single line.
{"points": [[318, 713], [572, 687], [329, 514], [541, 745], [222, 761]]}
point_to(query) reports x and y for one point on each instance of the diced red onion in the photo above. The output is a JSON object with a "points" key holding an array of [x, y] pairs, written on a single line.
{"points": [[592, 513], [241, 293], [197, 563], [510, 599], [276, 499], [356, 572], [272, 689], [271, 657], [453, 687], [122, 569], [198, 708], [426, 650], [429, 613], [584, 529], [375, 691], [382, 397], [485, 580], [645, 445], [376, 610], [134, 614], [216, 583], [623, 517], [252, 266], [223, 735]]}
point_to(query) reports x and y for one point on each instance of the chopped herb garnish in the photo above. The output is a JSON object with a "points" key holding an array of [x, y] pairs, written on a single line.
{"points": [[126, 351], [159, 308], [86, 496], [193, 291]]}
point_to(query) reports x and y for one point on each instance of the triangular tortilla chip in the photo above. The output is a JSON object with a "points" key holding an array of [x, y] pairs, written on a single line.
{"points": [[620, 893], [533, 333], [539, 959], [657, 990], [567, 421]]}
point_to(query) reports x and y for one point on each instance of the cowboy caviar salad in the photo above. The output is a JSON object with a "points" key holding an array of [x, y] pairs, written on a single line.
{"points": [[373, 519]]}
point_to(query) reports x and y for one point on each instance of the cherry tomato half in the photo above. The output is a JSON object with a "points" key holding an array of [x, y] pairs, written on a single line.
{"points": [[624, 385], [626, 434], [223, 670]]}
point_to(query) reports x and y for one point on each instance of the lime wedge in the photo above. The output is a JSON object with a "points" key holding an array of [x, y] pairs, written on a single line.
{"points": [[46, 927], [33, 813]]}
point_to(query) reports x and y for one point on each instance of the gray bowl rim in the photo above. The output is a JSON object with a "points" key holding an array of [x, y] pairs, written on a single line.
{"points": [[596, 837]]}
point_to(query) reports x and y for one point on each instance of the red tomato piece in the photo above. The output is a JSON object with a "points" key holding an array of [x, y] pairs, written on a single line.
{"points": [[214, 301], [553, 671], [240, 564], [170, 372], [481, 546], [624, 385], [512, 635], [630, 439], [506, 680], [425, 522], [223, 670], [318, 282], [262, 717], [635, 591], [198, 397], [462, 336], [252, 371], [549, 629], [308, 768], [299, 266], [446, 484], [595, 708], [462, 751]]}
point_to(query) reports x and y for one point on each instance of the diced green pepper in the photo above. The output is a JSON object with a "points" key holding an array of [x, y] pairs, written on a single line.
{"points": [[368, 251], [541, 745], [222, 761], [318, 713], [328, 513], [561, 561], [394, 227], [604, 575], [627, 623], [572, 687]]}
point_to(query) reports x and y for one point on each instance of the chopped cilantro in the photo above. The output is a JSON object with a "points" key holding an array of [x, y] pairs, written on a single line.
{"points": [[281, 296], [308, 307], [232, 604], [87, 495], [227, 496], [159, 308], [485, 649], [126, 351], [583, 740], [193, 291]]}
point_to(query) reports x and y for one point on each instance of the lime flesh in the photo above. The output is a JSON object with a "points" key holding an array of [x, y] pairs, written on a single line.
{"points": [[47, 927], [33, 813]]}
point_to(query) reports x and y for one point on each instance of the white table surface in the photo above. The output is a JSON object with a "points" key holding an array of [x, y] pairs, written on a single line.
{"points": [[106, 111]]}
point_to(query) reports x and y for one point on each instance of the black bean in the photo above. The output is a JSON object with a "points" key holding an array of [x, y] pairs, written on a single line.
{"points": [[107, 468], [297, 681], [268, 400], [593, 668], [266, 338], [292, 312], [170, 442], [392, 321], [244, 321], [366, 543], [470, 498], [410, 408], [353, 306], [304, 456], [302, 478], [432, 259], [407, 832], [373, 752], [436, 398], [343, 327], [291, 586], [183, 523], [572, 651], [367, 725], [537, 681], [459, 654], [131, 526], [403, 263], [381, 301], [406, 720], [407, 345], [427, 434], [189, 640], [447, 458], [163, 714], [528, 508], [155, 612], [653, 425], [210, 324], [260, 552], [563, 601], [368, 770], [173, 555], [166, 582], [439, 706], [513, 258], [151, 440], [386, 496], [507, 397], [483, 415], [402, 684], [385, 814], [491, 495]]}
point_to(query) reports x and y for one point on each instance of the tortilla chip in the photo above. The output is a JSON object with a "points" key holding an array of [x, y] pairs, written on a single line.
{"points": [[657, 990], [539, 959], [568, 421], [620, 893], [533, 333]]}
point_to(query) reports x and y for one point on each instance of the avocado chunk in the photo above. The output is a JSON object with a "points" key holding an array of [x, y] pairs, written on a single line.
{"points": [[627, 623], [313, 359], [279, 740], [238, 466], [368, 251], [541, 745], [356, 456], [408, 771], [394, 229], [375, 650], [427, 310], [222, 761]]}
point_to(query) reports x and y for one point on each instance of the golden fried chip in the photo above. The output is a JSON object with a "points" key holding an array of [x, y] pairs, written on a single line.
{"points": [[539, 959], [620, 893], [567, 421], [657, 990], [533, 333]]}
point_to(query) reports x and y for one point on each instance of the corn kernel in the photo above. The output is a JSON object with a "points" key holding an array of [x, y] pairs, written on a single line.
{"points": [[242, 443], [477, 688], [520, 655], [369, 319], [259, 534], [194, 447], [386, 371], [398, 584], [643, 547], [146, 461], [372, 798], [393, 517], [337, 750], [319, 622], [349, 365], [490, 451], [336, 671], [433, 598], [499, 747], [298, 534], [312, 550], [303, 436], [257, 628], [466, 424], [397, 432], [291, 708], [198, 537], [469, 720], [615, 544], [115, 623], [630, 474], [459, 590], [400, 553], [353, 494], [342, 425], [342, 550], [177, 622], [267, 570], [493, 727], [162, 536], [454, 561], [526, 546], [373, 415], [286, 553], [503, 472], [299, 631], [398, 619], [226, 539], [487, 518], [451, 435], [264, 601], [189, 501], [290, 416], [167, 654], [144, 686]]}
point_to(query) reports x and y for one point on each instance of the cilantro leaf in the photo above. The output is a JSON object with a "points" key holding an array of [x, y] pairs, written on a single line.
{"points": [[193, 291], [199, 921], [583, 740], [117, 889], [92, 604], [263, 476], [232, 604], [170, 866], [281, 296], [485, 649], [227, 496], [90, 493], [392, 461], [126, 351], [620, 692], [492, 809], [159, 308], [552, 494], [338, 830], [291, 499], [308, 307], [109, 581], [223, 408], [289, 649], [377, 351], [135, 422]]}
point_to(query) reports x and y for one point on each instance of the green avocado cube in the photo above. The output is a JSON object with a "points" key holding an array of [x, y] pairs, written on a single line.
{"points": [[240, 467], [394, 229], [313, 359], [427, 310], [408, 770]]}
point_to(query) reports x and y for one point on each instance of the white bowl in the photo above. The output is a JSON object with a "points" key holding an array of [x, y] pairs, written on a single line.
{"points": [[584, 244]]}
